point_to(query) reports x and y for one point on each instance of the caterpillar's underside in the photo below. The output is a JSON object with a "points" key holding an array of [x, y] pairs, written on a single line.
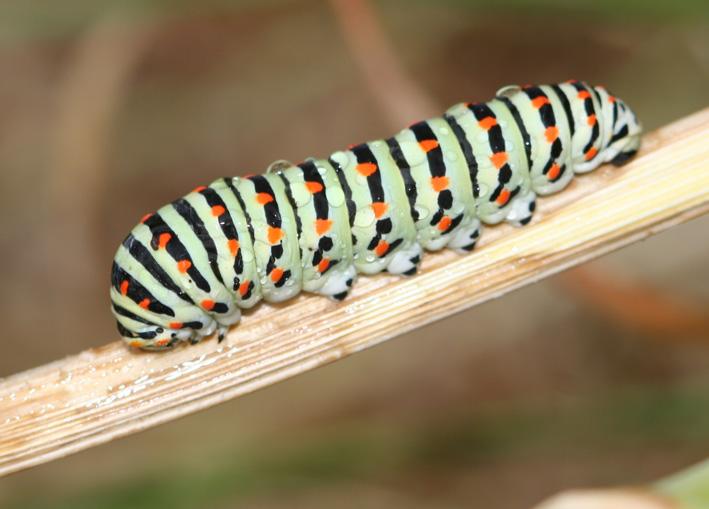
{"points": [[191, 267]]}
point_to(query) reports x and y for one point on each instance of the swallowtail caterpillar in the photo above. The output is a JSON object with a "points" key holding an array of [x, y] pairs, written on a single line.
{"points": [[191, 267]]}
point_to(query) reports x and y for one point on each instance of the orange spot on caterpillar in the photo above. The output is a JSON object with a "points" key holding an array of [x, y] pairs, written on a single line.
{"points": [[553, 172], [162, 342], [146, 216], [611, 99], [136, 344], [314, 187], [592, 120], [175, 325], [487, 123], [584, 94], [538, 102], [183, 266], [379, 207], [551, 133], [323, 265], [444, 223], [163, 240], [144, 303], [124, 287], [322, 226], [439, 183], [233, 246], [499, 159], [503, 198], [264, 198], [276, 275], [198, 189], [218, 210], [366, 169], [207, 304], [427, 145], [244, 288], [591, 153], [381, 248], [275, 234]]}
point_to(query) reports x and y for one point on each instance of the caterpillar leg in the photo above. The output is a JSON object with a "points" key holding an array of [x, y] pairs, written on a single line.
{"points": [[406, 262], [463, 239], [338, 283], [522, 209]]}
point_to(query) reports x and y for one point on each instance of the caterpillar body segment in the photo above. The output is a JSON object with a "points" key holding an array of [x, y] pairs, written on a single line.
{"points": [[189, 269]]}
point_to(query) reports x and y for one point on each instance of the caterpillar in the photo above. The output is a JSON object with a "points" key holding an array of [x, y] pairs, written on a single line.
{"points": [[191, 267]]}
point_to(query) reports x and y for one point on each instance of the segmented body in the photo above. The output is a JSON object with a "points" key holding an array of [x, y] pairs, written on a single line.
{"points": [[191, 267]]}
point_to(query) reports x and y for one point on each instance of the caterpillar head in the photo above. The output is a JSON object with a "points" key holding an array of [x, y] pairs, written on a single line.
{"points": [[143, 319], [152, 336]]}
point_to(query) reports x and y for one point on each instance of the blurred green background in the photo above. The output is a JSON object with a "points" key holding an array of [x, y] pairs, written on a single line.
{"points": [[108, 111]]}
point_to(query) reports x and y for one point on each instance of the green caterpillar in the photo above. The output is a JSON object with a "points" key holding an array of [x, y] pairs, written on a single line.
{"points": [[189, 268]]}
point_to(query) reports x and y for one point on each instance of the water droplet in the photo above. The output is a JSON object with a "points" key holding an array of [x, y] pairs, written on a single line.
{"points": [[364, 217], [322, 170], [457, 110], [483, 189], [413, 153], [509, 146], [300, 193], [279, 165], [422, 211], [451, 156], [247, 255], [443, 131], [263, 280], [508, 91], [369, 258], [482, 136], [335, 196], [342, 158]]}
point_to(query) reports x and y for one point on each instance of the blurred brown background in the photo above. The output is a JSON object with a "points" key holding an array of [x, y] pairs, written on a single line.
{"points": [[108, 111]]}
